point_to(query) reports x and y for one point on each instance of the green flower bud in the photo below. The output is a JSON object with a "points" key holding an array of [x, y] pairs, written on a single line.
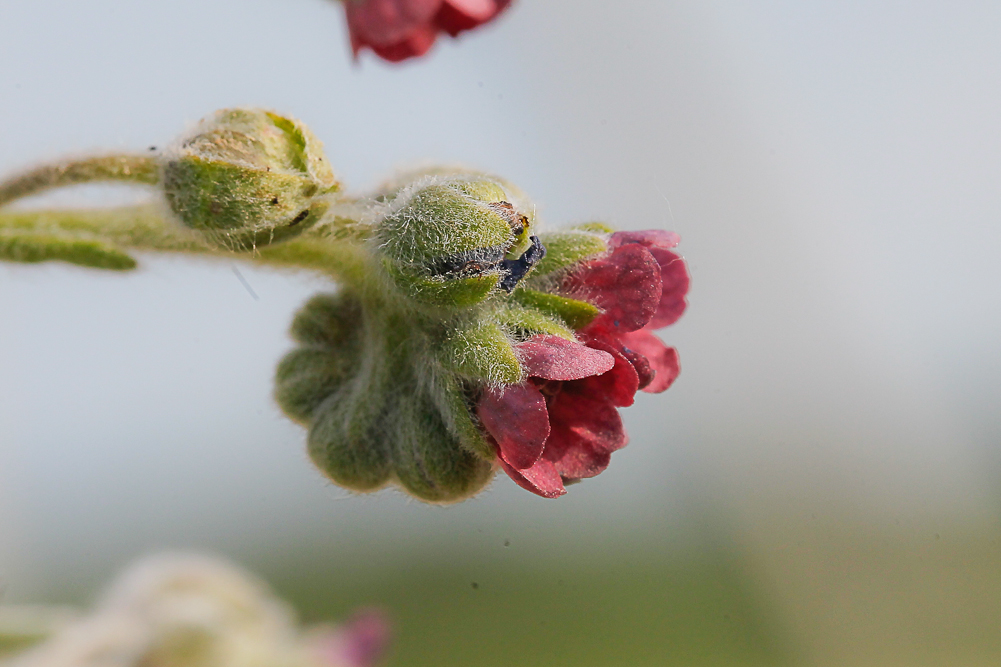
{"points": [[248, 177], [452, 241]]}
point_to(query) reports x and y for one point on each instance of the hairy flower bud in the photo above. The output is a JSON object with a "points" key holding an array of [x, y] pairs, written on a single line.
{"points": [[452, 241], [248, 177]]}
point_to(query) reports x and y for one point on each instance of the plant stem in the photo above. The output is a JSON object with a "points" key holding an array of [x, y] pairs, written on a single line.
{"points": [[132, 168], [101, 238]]}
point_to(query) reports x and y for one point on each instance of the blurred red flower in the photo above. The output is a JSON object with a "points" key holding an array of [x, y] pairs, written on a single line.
{"points": [[401, 29], [562, 424]]}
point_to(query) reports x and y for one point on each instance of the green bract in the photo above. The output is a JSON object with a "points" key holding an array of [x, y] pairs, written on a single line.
{"points": [[248, 177]]}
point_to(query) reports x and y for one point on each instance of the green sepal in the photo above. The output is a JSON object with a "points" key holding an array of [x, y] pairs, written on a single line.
{"points": [[529, 321], [308, 375], [441, 291], [596, 227], [350, 437], [347, 440], [305, 378], [481, 352], [457, 410], [92, 253], [577, 314], [565, 248], [328, 320], [430, 462]]}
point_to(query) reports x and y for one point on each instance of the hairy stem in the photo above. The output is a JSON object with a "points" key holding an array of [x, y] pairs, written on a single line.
{"points": [[101, 239], [131, 168]]}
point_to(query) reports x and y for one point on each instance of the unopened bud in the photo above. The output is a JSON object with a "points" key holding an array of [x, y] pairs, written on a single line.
{"points": [[451, 241], [248, 177]]}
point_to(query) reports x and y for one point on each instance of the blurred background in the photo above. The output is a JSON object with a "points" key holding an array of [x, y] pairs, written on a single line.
{"points": [[822, 486]]}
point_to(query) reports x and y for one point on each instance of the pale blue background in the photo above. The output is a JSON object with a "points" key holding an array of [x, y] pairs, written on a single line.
{"points": [[833, 169]]}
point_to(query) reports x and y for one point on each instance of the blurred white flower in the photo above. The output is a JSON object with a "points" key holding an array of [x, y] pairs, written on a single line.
{"points": [[194, 611]]}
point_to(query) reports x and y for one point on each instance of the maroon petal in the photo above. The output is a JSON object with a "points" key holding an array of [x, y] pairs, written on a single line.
{"points": [[651, 238], [585, 430], [580, 462], [518, 421], [386, 23], [674, 286], [458, 15], [541, 479], [625, 284], [644, 371], [417, 44], [576, 448], [663, 359], [555, 358], [618, 385]]}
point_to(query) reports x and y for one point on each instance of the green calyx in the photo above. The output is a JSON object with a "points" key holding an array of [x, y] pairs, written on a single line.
{"points": [[248, 178], [566, 248], [379, 407]]}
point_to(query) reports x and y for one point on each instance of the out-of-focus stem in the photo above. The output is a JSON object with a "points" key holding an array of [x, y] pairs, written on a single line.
{"points": [[131, 168]]}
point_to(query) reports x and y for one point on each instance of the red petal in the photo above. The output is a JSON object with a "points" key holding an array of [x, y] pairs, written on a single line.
{"points": [[386, 23], [575, 454], [555, 358], [541, 479], [518, 421], [625, 284], [674, 286], [419, 43], [664, 360], [618, 385], [651, 238], [644, 371], [458, 15], [586, 429]]}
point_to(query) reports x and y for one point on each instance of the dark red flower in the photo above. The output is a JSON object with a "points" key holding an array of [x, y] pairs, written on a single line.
{"points": [[401, 29], [563, 423]]}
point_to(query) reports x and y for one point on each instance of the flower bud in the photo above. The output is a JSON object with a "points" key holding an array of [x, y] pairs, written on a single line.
{"points": [[248, 177], [452, 241]]}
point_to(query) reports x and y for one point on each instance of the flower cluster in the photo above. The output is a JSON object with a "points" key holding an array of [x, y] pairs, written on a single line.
{"points": [[462, 339], [401, 29], [485, 343], [562, 424]]}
